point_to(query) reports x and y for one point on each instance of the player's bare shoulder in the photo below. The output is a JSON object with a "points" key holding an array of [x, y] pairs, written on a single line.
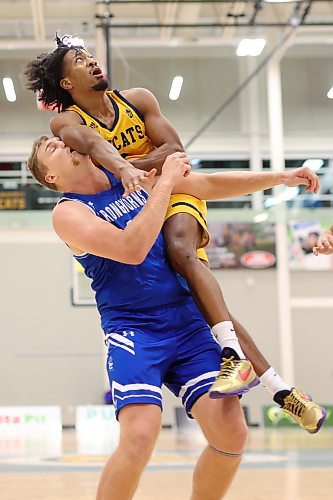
{"points": [[141, 98]]}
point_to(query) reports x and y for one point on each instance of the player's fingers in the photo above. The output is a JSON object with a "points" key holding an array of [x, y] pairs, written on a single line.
{"points": [[179, 154], [129, 189], [317, 185], [151, 174], [303, 181]]}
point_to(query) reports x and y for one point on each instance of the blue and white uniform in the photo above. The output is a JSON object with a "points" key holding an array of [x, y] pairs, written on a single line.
{"points": [[153, 329]]}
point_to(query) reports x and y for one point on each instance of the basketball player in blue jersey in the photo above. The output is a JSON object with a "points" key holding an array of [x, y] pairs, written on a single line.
{"points": [[155, 333], [131, 122]]}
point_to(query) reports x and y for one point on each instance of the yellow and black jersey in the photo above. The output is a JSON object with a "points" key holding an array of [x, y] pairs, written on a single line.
{"points": [[128, 136], [128, 132]]}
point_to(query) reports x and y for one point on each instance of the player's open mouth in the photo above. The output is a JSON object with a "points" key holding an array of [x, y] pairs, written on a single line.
{"points": [[97, 71]]}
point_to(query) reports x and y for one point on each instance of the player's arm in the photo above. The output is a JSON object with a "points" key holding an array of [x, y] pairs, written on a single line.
{"points": [[69, 127], [325, 243], [161, 133], [229, 184], [84, 232]]}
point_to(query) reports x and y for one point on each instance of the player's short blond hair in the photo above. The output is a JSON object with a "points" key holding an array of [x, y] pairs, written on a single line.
{"points": [[37, 168]]}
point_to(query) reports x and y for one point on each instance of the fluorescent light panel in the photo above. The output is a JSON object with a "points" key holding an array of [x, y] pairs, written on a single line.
{"points": [[288, 194], [260, 217], [8, 86], [330, 93], [176, 88], [250, 47]]}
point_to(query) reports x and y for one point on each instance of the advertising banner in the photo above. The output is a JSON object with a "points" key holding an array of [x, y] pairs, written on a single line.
{"points": [[241, 245]]}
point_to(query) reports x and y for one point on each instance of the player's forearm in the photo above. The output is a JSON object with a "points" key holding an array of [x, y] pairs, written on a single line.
{"points": [[142, 232], [88, 142], [243, 183], [105, 154], [227, 184], [156, 158]]}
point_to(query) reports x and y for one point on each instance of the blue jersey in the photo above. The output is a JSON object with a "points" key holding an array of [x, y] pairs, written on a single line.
{"points": [[124, 286]]}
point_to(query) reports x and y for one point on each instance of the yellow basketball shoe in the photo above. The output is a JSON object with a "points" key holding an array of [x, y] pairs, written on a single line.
{"points": [[236, 377], [304, 411]]}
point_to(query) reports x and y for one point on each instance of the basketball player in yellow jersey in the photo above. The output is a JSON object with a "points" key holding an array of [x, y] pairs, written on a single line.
{"points": [[129, 137], [128, 125]]}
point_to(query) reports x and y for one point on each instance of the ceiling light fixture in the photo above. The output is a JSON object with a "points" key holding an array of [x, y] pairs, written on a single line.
{"points": [[250, 47], [176, 88], [8, 86], [260, 217], [330, 93]]}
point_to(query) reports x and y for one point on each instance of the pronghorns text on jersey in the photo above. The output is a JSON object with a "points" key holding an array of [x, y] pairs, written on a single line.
{"points": [[127, 137], [122, 206]]}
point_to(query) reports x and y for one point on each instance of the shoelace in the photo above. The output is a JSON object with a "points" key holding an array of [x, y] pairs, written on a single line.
{"points": [[294, 405], [228, 366]]}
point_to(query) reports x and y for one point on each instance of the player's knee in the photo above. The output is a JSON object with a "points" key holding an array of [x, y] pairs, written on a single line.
{"points": [[235, 434], [181, 255], [230, 433], [139, 443]]}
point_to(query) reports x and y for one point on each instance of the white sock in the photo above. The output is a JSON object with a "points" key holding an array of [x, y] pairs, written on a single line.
{"points": [[226, 337], [273, 382]]}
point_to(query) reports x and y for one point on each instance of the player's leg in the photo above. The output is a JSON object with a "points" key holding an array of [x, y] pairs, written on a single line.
{"points": [[251, 351], [138, 355], [222, 420], [183, 235], [139, 427], [223, 425]]}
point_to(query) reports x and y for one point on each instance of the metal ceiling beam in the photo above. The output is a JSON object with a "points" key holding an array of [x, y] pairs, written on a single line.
{"points": [[37, 9], [171, 9], [219, 25], [236, 12], [189, 13], [258, 5]]}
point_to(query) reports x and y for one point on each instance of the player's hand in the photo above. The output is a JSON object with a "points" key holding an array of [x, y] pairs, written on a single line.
{"points": [[176, 166], [324, 244], [132, 178], [302, 176]]}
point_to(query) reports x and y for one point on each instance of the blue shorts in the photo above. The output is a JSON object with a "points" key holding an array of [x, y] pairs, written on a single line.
{"points": [[171, 345]]}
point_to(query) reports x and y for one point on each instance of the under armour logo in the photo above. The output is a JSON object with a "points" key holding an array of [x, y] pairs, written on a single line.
{"points": [[125, 333]]}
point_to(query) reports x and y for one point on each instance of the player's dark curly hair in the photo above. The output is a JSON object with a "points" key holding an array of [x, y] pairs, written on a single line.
{"points": [[44, 73]]}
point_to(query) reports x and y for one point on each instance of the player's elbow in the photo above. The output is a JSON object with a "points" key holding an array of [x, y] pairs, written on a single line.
{"points": [[136, 259], [134, 256], [139, 256], [176, 147]]}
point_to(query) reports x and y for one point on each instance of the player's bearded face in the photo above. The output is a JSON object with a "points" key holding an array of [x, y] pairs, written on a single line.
{"points": [[101, 85]]}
